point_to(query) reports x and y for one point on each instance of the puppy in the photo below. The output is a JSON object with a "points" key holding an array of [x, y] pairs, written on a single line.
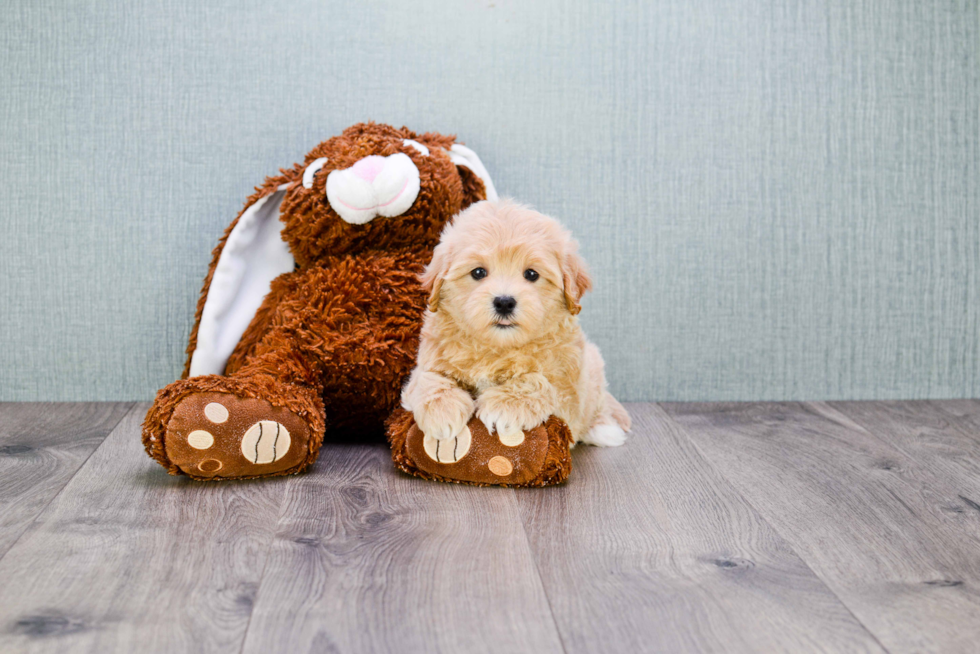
{"points": [[501, 337]]}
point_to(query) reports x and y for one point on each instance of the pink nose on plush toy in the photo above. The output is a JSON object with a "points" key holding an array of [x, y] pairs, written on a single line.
{"points": [[369, 167]]}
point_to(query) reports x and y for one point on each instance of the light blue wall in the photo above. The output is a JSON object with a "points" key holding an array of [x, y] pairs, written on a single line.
{"points": [[779, 198]]}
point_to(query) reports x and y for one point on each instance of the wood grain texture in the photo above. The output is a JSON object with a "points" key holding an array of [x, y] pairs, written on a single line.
{"points": [[367, 559], [647, 548], [41, 447], [885, 531], [965, 414], [942, 436], [718, 527], [129, 559]]}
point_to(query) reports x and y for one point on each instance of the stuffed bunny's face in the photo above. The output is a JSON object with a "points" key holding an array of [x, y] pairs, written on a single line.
{"points": [[377, 187], [372, 188]]}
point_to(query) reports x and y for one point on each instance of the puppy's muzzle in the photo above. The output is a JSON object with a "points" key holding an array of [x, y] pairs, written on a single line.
{"points": [[504, 305]]}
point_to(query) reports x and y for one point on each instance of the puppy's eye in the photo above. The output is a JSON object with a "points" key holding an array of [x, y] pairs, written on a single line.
{"points": [[531, 275], [478, 273]]}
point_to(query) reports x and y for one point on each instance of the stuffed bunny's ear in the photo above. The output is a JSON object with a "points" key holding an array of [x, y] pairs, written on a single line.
{"points": [[254, 254], [463, 156]]}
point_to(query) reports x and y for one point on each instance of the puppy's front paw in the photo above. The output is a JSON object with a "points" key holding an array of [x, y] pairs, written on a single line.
{"points": [[445, 414], [510, 415]]}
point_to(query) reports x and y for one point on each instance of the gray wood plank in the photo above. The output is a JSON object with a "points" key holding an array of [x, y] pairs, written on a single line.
{"points": [[873, 522], [41, 446], [937, 435], [367, 559], [129, 559], [965, 414], [648, 548]]}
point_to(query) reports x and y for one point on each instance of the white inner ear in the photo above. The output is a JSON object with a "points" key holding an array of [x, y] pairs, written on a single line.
{"points": [[253, 256], [418, 146], [312, 170], [463, 156]]}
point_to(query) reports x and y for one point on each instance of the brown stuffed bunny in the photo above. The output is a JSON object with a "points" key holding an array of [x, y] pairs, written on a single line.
{"points": [[311, 310]]}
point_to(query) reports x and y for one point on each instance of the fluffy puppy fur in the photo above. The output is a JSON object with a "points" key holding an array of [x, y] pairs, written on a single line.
{"points": [[517, 368]]}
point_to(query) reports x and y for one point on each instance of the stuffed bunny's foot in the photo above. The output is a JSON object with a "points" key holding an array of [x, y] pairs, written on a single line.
{"points": [[213, 435]]}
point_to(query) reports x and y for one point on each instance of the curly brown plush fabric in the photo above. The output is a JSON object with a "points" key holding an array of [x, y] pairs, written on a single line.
{"points": [[334, 340]]}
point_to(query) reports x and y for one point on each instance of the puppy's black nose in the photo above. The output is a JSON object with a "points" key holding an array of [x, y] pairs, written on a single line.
{"points": [[504, 304]]}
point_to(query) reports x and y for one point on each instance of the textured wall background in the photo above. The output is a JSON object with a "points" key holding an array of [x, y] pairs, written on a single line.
{"points": [[780, 199]]}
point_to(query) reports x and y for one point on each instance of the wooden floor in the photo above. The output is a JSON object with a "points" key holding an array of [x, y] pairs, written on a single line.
{"points": [[840, 527]]}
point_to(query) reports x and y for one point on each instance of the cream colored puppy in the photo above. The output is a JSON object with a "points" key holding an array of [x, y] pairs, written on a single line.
{"points": [[501, 336]]}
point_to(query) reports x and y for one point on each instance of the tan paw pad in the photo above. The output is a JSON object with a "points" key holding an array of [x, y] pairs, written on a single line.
{"points": [[512, 437], [265, 441], [449, 450], [500, 466], [216, 413], [200, 439]]}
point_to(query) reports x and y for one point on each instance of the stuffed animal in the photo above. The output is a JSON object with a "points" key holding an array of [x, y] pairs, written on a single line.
{"points": [[311, 310], [539, 457]]}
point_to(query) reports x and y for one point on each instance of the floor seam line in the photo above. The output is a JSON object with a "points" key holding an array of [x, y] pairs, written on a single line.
{"points": [[265, 566], [537, 572], [125, 414]]}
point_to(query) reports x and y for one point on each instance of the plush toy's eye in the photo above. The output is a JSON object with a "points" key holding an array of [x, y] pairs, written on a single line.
{"points": [[531, 275], [478, 273], [312, 170], [418, 146]]}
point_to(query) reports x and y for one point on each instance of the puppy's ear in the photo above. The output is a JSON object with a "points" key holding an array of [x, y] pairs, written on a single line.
{"points": [[435, 273], [575, 278]]}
